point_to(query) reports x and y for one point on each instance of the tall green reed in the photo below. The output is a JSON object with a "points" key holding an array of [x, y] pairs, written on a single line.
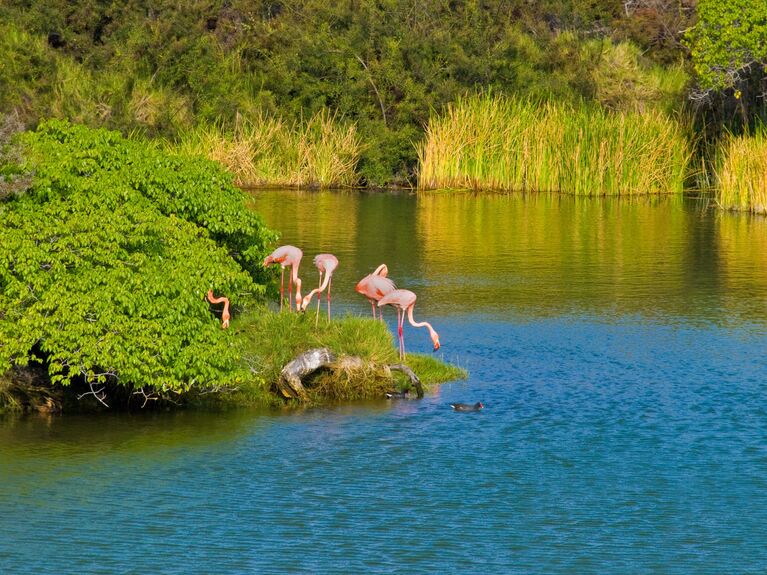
{"points": [[488, 141], [320, 152], [742, 172]]}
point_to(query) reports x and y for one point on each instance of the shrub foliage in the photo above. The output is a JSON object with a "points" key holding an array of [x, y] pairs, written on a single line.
{"points": [[106, 259]]}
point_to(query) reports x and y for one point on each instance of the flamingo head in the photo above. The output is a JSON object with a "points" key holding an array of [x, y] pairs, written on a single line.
{"points": [[268, 260], [304, 303], [435, 340]]}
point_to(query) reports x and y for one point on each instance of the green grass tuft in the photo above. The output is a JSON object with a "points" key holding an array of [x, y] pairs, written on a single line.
{"points": [[742, 172], [270, 340], [321, 152], [494, 142]]}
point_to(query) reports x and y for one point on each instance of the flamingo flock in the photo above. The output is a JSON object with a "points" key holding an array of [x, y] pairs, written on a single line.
{"points": [[376, 287], [379, 290]]}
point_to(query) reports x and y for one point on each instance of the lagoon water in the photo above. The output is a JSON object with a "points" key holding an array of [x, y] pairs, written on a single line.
{"points": [[620, 348]]}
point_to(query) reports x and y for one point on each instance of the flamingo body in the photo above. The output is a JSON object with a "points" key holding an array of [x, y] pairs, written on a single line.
{"points": [[375, 286], [326, 264], [404, 301], [287, 256]]}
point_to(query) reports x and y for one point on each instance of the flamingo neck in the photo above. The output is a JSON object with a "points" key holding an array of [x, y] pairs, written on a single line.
{"points": [[322, 288], [325, 282], [381, 270], [212, 299], [414, 323], [297, 281], [225, 315]]}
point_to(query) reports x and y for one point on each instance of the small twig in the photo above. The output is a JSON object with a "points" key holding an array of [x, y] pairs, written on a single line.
{"points": [[97, 393], [147, 396], [372, 83]]}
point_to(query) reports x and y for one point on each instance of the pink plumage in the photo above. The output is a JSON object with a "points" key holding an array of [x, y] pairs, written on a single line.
{"points": [[375, 286], [404, 301], [326, 264], [287, 256]]}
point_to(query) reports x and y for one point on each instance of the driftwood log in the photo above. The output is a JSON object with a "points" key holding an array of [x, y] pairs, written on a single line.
{"points": [[290, 383]]}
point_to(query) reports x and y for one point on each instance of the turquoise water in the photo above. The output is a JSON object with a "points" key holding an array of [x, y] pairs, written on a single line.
{"points": [[619, 348]]}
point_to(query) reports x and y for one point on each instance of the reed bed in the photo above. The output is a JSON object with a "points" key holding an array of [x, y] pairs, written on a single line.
{"points": [[265, 151], [495, 142], [742, 172]]}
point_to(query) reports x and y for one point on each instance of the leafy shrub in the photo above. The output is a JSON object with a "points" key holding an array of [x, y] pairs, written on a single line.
{"points": [[106, 260]]}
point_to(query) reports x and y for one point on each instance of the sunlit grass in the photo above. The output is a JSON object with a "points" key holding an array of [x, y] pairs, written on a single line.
{"points": [[271, 340], [266, 151], [495, 142], [742, 172], [268, 341]]}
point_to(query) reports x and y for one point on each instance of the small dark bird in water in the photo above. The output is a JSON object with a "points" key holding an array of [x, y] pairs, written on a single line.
{"points": [[398, 394], [467, 406]]}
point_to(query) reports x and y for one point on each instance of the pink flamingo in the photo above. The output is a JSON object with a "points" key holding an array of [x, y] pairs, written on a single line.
{"points": [[287, 256], [225, 314], [376, 285], [326, 263], [404, 301]]}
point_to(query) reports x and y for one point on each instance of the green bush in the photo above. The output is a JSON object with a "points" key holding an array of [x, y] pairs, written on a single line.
{"points": [[106, 260]]}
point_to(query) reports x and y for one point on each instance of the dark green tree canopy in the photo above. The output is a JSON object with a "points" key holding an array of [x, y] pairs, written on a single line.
{"points": [[106, 259]]}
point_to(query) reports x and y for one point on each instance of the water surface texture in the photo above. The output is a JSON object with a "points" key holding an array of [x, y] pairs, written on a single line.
{"points": [[619, 347]]}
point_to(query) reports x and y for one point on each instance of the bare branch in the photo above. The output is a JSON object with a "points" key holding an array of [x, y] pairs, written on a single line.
{"points": [[370, 79]]}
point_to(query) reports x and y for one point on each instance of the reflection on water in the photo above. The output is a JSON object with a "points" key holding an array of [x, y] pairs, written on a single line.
{"points": [[619, 348], [537, 255]]}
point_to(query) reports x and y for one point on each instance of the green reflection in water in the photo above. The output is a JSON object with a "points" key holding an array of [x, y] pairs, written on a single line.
{"points": [[536, 255], [146, 434]]}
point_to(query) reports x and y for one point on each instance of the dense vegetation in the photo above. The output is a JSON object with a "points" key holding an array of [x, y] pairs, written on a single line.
{"points": [[263, 151], [108, 247], [163, 68], [500, 143], [742, 172], [728, 47], [106, 258]]}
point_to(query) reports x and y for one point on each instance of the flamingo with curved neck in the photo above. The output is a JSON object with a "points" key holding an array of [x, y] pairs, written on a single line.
{"points": [[287, 256], [326, 263], [225, 314], [374, 286], [404, 301]]}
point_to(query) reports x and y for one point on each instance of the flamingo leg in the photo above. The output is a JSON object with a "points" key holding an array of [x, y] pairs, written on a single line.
{"points": [[282, 287], [319, 297], [290, 291], [400, 322], [373, 305], [330, 285]]}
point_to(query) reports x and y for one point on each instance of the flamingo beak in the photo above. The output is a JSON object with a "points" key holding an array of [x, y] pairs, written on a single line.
{"points": [[436, 346]]}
